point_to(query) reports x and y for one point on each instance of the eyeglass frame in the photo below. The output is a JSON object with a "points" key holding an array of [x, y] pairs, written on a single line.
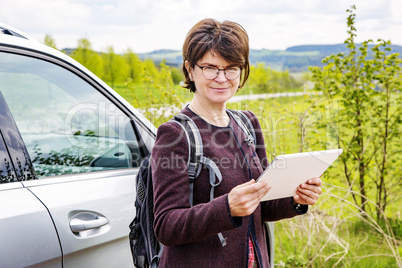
{"points": [[217, 73]]}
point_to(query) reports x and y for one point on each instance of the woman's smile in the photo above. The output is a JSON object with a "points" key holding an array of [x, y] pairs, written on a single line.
{"points": [[216, 91]]}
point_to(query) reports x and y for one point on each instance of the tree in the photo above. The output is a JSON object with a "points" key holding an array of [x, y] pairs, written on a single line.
{"points": [[259, 78], [87, 57], [150, 71], [49, 41], [115, 68], [134, 66], [166, 85], [266, 80], [177, 75], [386, 108], [367, 94]]}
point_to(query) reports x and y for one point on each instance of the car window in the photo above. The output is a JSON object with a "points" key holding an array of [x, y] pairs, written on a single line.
{"points": [[68, 125]]}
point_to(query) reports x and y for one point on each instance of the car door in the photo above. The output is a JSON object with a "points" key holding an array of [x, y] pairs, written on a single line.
{"points": [[85, 146], [27, 233]]}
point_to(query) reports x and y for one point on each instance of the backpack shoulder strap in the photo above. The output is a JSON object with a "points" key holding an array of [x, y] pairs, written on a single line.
{"points": [[197, 160], [245, 124], [195, 148], [196, 156]]}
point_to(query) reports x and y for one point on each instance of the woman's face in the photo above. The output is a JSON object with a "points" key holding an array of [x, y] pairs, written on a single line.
{"points": [[217, 90]]}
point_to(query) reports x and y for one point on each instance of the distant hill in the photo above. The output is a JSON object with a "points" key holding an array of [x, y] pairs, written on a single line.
{"points": [[294, 59]]}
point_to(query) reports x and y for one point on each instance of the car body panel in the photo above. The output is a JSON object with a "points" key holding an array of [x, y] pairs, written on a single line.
{"points": [[27, 233], [74, 220], [106, 194], [15, 32]]}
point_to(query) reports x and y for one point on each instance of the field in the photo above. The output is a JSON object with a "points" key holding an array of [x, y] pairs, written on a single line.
{"points": [[335, 232]]}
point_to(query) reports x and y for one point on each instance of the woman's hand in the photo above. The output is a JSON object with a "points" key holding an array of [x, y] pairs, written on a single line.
{"points": [[245, 198], [309, 192]]}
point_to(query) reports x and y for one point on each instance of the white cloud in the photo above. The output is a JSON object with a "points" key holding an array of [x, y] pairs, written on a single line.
{"points": [[35, 16], [148, 25]]}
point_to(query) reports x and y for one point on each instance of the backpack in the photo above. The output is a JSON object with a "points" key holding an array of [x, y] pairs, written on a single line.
{"points": [[145, 248]]}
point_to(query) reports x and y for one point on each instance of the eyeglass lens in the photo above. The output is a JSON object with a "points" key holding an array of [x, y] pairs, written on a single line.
{"points": [[211, 72]]}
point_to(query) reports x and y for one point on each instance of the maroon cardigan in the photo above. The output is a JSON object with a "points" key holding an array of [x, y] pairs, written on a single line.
{"points": [[190, 233]]}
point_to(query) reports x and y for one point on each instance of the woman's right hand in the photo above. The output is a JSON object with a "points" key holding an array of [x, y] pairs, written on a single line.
{"points": [[245, 198]]}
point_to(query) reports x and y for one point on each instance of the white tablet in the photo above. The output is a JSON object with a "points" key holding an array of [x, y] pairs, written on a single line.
{"points": [[287, 172]]}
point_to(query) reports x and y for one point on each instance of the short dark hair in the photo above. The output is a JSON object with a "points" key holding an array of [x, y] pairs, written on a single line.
{"points": [[227, 39]]}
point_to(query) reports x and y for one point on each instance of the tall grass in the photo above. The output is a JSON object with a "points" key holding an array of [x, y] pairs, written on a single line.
{"points": [[335, 232]]}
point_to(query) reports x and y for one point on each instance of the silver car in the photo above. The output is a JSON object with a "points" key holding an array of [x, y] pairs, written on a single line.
{"points": [[70, 148]]}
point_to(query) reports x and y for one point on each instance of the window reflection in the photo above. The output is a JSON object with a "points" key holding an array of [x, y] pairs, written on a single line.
{"points": [[67, 125], [6, 170]]}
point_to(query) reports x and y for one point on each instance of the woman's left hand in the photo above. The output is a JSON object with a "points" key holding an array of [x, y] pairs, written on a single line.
{"points": [[309, 192]]}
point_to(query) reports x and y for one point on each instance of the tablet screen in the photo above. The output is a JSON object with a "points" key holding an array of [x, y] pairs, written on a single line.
{"points": [[287, 172]]}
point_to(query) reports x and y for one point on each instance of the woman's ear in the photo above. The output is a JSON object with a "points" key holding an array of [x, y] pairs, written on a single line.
{"points": [[189, 70]]}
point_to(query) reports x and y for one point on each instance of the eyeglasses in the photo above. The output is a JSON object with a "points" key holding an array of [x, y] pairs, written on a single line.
{"points": [[211, 72]]}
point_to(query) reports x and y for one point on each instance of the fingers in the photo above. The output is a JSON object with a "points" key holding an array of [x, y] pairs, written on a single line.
{"points": [[245, 185], [313, 185], [245, 198], [257, 189], [306, 197], [315, 181], [309, 192], [253, 188]]}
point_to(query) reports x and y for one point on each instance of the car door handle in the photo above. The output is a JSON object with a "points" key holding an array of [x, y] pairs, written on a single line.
{"points": [[87, 221]]}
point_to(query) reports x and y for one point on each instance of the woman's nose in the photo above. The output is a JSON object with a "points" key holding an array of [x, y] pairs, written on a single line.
{"points": [[221, 77]]}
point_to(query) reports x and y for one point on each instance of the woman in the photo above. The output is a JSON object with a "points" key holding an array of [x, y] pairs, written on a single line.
{"points": [[215, 66]]}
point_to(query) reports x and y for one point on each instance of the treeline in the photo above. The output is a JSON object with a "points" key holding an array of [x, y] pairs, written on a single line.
{"points": [[266, 80], [117, 69]]}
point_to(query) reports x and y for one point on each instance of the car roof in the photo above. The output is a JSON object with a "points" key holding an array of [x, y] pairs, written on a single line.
{"points": [[12, 37], [9, 30]]}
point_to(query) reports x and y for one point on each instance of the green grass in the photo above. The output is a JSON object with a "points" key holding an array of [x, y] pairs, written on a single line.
{"points": [[250, 90], [138, 93], [333, 233], [321, 239]]}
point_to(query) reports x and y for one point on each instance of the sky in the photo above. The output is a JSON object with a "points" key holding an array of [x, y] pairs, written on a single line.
{"points": [[148, 25]]}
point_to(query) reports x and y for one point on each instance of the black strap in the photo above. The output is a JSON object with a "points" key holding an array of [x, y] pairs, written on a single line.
{"points": [[245, 124]]}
